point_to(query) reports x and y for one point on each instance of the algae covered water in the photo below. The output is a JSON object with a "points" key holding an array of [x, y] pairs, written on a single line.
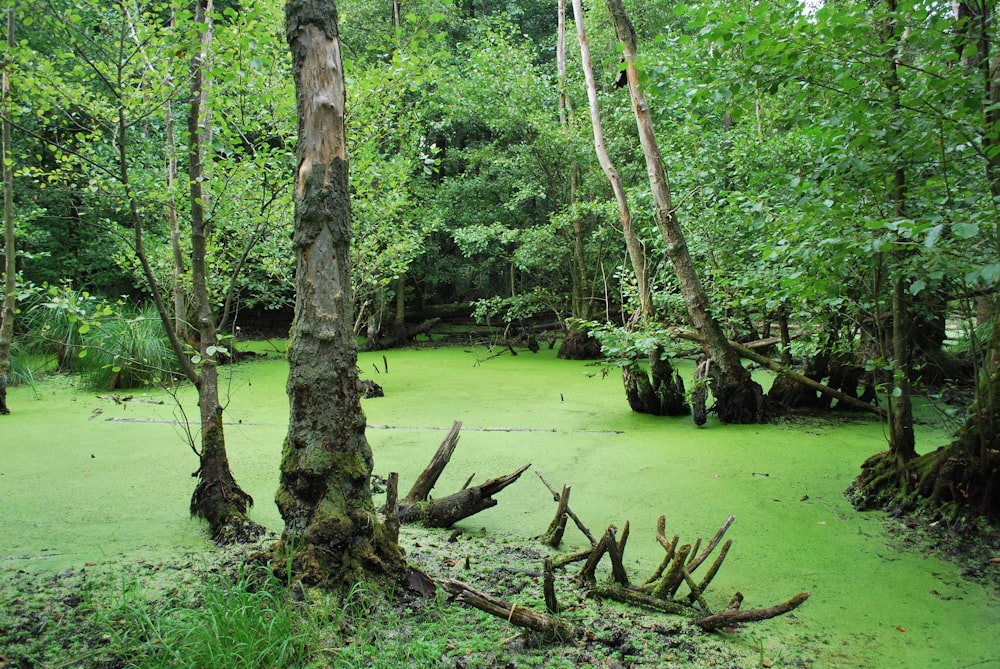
{"points": [[84, 478]]}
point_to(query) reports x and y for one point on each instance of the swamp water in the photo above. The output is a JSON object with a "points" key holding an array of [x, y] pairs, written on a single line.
{"points": [[84, 479]]}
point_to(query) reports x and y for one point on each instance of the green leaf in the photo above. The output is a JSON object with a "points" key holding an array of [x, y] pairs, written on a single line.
{"points": [[965, 230], [917, 286]]}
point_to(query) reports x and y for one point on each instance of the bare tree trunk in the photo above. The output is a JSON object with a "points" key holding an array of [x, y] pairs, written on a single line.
{"points": [[738, 399], [9, 252], [324, 494], [664, 394]]}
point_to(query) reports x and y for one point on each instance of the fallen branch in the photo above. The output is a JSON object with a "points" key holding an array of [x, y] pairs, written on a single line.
{"points": [[569, 512], [428, 478], [733, 616], [447, 511], [785, 371], [806, 381]]}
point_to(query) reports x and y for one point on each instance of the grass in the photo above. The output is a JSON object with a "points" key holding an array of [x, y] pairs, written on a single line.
{"points": [[225, 611], [130, 350], [244, 620]]}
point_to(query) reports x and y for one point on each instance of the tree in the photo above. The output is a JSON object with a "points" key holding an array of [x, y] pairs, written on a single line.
{"points": [[110, 97], [324, 495], [738, 398], [217, 497], [10, 259], [663, 394]]}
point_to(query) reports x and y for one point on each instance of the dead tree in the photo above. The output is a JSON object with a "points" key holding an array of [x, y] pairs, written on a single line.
{"points": [[419, 507], [660, 590]]}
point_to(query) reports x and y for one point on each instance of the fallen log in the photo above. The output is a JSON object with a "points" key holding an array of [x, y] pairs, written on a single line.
{"points": [[547, 626], [447, 511], [400, 336]]}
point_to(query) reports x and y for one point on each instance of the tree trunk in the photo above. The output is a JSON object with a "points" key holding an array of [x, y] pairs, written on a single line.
{"points": [[10, 257], [217, 498], [738, 399], [961, 476], [324, 494], [664, 393]]}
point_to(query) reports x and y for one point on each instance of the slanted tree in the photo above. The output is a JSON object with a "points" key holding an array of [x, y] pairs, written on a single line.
{"points": [[324, 494], [738, 398], [662, 391], [9, 252]]}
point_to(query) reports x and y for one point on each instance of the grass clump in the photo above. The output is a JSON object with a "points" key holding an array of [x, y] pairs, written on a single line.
{"points": [[129, 350], [247, 620]]}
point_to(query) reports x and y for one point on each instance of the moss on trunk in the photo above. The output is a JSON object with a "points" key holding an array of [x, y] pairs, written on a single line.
{"points": [[332, 533]]}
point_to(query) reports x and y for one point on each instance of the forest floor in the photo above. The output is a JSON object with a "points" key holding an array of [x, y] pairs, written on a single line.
{"points": [[117, 614], [102, 616]]}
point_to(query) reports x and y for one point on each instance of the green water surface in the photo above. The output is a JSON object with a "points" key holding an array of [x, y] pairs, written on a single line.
{"points": [[83, 479]]}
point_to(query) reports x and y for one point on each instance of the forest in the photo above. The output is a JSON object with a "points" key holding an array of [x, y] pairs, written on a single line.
{"points": [[691, 197]]}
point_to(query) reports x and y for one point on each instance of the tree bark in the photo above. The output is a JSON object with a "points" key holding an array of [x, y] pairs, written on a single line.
{"points": [[7, 306], [324, 494], [738, 399], [664, 394], [217, 497]]}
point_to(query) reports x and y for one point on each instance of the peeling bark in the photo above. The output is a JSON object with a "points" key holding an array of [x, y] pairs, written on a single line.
{"points": [[324, 494]]}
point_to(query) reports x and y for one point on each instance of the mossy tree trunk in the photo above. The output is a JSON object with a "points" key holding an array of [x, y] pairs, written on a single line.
{"points": [[663, 394], [10, 257], [963, 475], [738, 398], [217, 497], [324, 496]]}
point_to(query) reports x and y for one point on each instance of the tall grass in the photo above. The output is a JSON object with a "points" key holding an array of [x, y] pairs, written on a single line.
{"points": [[127, 351], [248, 621], [253, 620], [22, 370], [110, 346]]}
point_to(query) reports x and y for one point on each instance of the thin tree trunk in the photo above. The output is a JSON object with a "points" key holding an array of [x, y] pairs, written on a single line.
{"points": [[901, 437], [632, 243], [738, 398], [324, 494], [7, 306], [217, 497], [664, 394], [180, 301]]}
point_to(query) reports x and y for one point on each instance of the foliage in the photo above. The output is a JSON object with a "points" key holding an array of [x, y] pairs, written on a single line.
{"points": [[109, 344]]}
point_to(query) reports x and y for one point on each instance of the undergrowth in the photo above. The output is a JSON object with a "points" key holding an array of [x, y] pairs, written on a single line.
{"points": [[225, 610]]}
